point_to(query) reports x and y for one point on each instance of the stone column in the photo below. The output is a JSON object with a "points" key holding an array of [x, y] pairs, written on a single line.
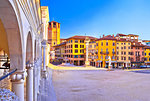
{"points": [[87, 46], [29, 84], [17, 80], [44, 74]]}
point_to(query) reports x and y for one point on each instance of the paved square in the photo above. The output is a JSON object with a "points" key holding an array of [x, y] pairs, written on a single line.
{"points": [[101, 85]]}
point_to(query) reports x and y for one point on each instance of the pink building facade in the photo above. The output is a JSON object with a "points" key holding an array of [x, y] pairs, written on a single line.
{"points": [[137, 54]]}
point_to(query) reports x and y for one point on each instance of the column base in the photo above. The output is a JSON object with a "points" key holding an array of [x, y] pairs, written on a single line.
{"points": [[87, 63], [110, 68]]}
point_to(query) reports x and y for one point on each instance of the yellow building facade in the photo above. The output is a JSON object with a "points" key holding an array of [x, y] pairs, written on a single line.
{"points": [[75, 49], [123, 52], [147, 55], [106, 47]]}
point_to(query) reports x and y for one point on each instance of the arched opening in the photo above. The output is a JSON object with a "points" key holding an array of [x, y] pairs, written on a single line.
{"points": [[29, 49], [10, 41]]}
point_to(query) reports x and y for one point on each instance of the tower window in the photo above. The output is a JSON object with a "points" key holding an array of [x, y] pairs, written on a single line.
{"points": [[54, 24]]}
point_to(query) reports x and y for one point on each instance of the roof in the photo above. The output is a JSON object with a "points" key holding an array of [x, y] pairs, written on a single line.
{"points": [[53, 21], [81, 37], [126, 35], [120, 34], [108, 37], [146, 40], [60, 44], [137, 44], [133, 35], [123, 40], [147, 47]]}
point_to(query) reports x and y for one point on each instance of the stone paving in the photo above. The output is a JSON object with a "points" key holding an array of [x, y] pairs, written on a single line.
{"points": [[101, 85]]}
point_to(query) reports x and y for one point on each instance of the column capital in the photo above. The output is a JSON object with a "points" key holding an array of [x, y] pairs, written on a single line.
{"points": [[44, 42], [18, 77], [30, 66]]}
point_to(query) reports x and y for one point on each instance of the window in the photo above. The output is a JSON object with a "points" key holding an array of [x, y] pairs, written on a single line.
{"points": [[54, 24], [117, 47], [101, 57], [124, 53], [71, 46], [107, 50], [117, 58], [113, 57], [117, 53], [129, 58], [129, 53], [82, 46], [71, 41], [113, 44], [101, 50], [76, 41], [128, 43], [145, 54], [82, 51], [149, 59], [76, 51], [121, 43], [75, 56], [81, 56], [124, 58], [106, 57], [121, 47], [106, 43], [124, 47], [149, 54], [128, 47], [81, 41], [113, 50], [117, 43], [124, 43], [76, 46], [96, 44], [71, 51], [101, 43], [121, 53]]}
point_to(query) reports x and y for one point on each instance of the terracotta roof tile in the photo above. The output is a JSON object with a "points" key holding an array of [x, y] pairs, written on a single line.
{"points": [[81, 37]]}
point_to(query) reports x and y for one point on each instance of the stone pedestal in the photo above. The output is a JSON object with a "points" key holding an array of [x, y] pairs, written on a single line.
{"points": [[17, 80]]}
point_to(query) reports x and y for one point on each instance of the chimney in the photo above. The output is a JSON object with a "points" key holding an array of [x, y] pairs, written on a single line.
{"points": [[103, 35], [113, 36]]}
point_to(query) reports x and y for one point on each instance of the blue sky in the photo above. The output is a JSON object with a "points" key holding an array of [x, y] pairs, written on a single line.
{"points": [[98, 17]]}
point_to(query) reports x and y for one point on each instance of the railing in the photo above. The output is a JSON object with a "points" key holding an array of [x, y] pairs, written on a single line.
{"points": [[5, 76]]}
